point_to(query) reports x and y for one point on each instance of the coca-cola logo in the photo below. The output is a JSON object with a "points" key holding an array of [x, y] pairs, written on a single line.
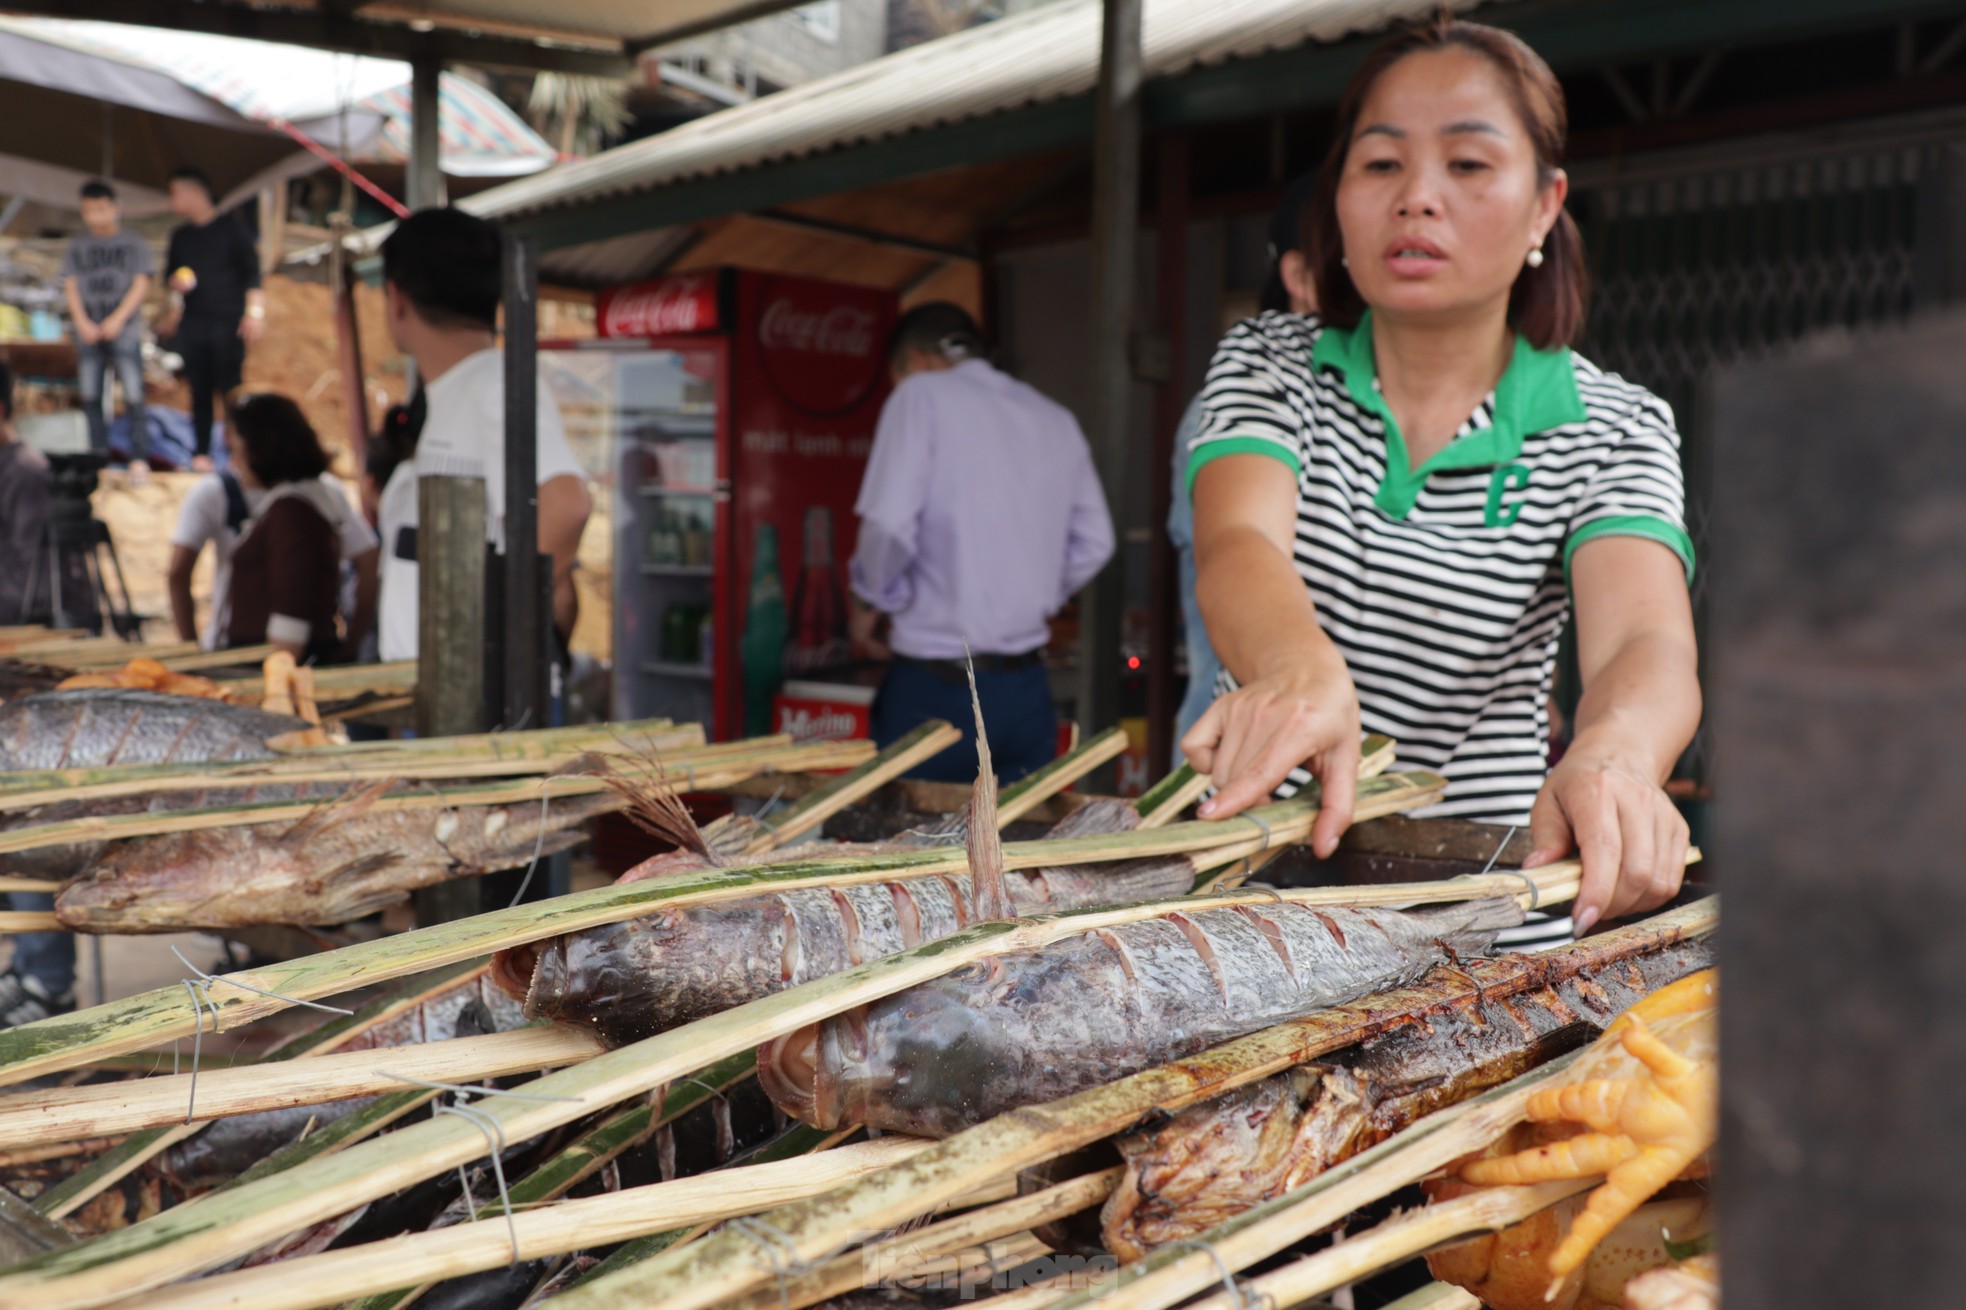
{"points": [[670, 307], [827, 724], [820, 344], [842, 330]]}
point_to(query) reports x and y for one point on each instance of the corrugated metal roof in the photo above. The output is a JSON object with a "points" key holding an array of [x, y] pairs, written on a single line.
{"points": [[1047, 54]]}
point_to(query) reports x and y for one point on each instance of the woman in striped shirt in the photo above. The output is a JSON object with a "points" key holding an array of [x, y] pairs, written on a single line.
{"points": [[1396, 503]]}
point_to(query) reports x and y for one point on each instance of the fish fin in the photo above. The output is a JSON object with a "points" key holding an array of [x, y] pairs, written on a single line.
{"points": [[991, 896], [653, 806], [1471, 926], [351, 804]]}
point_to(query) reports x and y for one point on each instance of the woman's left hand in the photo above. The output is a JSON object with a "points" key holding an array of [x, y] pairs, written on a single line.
{"points": [[1631, 838]]}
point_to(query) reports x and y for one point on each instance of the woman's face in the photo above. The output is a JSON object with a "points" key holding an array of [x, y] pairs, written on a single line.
{"points": [[1439, 203]]}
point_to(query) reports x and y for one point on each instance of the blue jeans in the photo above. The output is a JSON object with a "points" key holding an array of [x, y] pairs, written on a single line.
{"points": [[46, 957], [1017, 713], [94, 362]]}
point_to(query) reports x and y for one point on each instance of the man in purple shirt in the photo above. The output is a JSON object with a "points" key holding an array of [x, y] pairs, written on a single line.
{"points": [[980, 516]]}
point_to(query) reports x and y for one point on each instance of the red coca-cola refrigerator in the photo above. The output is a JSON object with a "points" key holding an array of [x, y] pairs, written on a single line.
{"points": [[737, 409]]}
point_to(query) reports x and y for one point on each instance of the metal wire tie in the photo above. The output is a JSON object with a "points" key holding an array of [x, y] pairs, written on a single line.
{"points": [[1269, 839], [539, 845], [495, 1145], [1229, 1283], [782, 1251], [209, 979]]}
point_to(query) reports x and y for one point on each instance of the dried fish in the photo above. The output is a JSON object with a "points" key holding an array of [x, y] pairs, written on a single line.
{"points": [[1031, 1026], [1220, 1158], [337, 864]]}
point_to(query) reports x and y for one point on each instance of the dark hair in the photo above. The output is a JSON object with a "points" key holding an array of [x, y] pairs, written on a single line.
{"points": [[1547, 304], [6, 390], [193, 174], [280, 443], [938, 328], [445, 262], [97, 189], [1288, 233]]}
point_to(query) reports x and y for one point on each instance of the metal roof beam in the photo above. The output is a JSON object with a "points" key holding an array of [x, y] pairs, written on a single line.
{"points": [[354, 35], [1572, 36], [864, 235]]}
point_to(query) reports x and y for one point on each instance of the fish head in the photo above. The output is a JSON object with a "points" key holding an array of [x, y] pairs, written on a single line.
{"points": [[889, 1064], [164, 882]]}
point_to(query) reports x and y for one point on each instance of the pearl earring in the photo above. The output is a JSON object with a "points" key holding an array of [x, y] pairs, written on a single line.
{"points": [[1344, 262], [1535, 259]]}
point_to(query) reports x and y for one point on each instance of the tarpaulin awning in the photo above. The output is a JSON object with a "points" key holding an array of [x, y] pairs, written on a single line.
{"points": [[134, 103]]}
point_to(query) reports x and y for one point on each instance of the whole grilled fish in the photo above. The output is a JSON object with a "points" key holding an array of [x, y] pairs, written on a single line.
{"points": [[1031, 1026], [639, 977], [335, 865], [96, 727], [1218, 1159]]}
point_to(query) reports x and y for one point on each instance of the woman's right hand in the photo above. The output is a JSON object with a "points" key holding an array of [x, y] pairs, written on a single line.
{"points": [[1304, 713]]}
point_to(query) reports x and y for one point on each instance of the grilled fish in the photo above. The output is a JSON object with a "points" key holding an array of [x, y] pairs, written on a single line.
{"points": [[1218, 1159], [639, 977], [335, 865], [98, 727], [1031, 1026]]}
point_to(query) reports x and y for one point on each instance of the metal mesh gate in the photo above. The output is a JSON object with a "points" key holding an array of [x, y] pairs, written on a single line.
{"points": [[1707, 266]]}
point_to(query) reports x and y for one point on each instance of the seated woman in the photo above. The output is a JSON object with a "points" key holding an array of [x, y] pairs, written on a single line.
{"points": [[286, 569]]}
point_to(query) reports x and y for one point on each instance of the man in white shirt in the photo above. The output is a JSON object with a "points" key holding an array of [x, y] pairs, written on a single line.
{"points": [[440, 271], [214, 511]]}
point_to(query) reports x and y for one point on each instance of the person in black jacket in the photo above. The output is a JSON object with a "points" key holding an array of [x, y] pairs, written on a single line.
{"points": [[217, 308]]}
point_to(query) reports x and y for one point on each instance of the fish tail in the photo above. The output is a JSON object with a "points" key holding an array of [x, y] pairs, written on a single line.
{"points": [[1471, 925]]}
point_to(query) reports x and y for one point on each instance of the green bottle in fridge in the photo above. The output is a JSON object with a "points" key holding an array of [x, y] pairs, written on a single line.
{"points": [[767, 627]]}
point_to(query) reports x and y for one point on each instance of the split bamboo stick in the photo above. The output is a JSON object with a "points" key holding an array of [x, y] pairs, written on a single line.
{"points": [[815, 807], [113, 1165], [213, 1229], [109, 1108], [1041, 784], [892, 1259], [642, 737], [12, 921], [367, 709], [592, 1151], [797, 1140], [716, 772], [289, 771], [342, 680], [139, 1022], [680, 748], [336, 1276], [1399, 1238], [719, 1268], [9, 883]]}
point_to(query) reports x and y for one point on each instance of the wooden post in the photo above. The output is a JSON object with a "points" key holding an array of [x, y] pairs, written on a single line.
{"points": [[523, 657], [348, 350], [1838, 701], [1115, 223], [1170, 401], [451, 636], [424, 180]]}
